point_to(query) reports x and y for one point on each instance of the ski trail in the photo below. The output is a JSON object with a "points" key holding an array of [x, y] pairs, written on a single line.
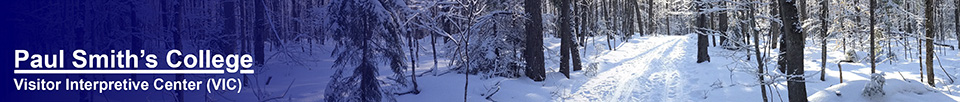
{"points": [[639, 71]]}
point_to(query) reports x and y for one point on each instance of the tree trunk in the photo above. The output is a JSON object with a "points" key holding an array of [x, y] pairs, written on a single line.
{"points": [[572, 45], [956, 19], [565, 38], [259, 31], [823, 35], [178, 41], [774, 26], [803, 9], [840, 68], [793, 57], [723, 25], [650, 21], [369, 85], [929, 42], [756, 49], [411, 44], [466, 69], [433, 45], [873, 57], [534, 44], [702, 43], [229, 26], [667, 16], [636, 11], [575, 53], [713, 18]]}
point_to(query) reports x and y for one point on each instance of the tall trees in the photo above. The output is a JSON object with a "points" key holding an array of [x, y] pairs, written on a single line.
{"points": [[723, 25], [929, 41], [533, 53], [793, 57]]}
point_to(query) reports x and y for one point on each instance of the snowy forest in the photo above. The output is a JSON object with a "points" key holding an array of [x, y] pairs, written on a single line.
{"points": [[539, 50]]}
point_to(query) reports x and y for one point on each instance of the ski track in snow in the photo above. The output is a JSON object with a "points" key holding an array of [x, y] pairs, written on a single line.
{"points": [[647, 72]]}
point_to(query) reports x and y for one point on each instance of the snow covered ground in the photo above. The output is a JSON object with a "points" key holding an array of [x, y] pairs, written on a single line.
{"points": [[646, 69]]}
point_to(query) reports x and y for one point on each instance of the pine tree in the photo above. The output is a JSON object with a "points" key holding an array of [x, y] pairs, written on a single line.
{"points": [[363, 41]]}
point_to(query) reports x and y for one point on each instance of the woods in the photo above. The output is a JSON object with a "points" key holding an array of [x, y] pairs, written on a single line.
{"points": [[562, 50]]}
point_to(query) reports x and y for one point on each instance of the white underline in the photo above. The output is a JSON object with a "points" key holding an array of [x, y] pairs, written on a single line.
{"points": [[126, 71]]}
